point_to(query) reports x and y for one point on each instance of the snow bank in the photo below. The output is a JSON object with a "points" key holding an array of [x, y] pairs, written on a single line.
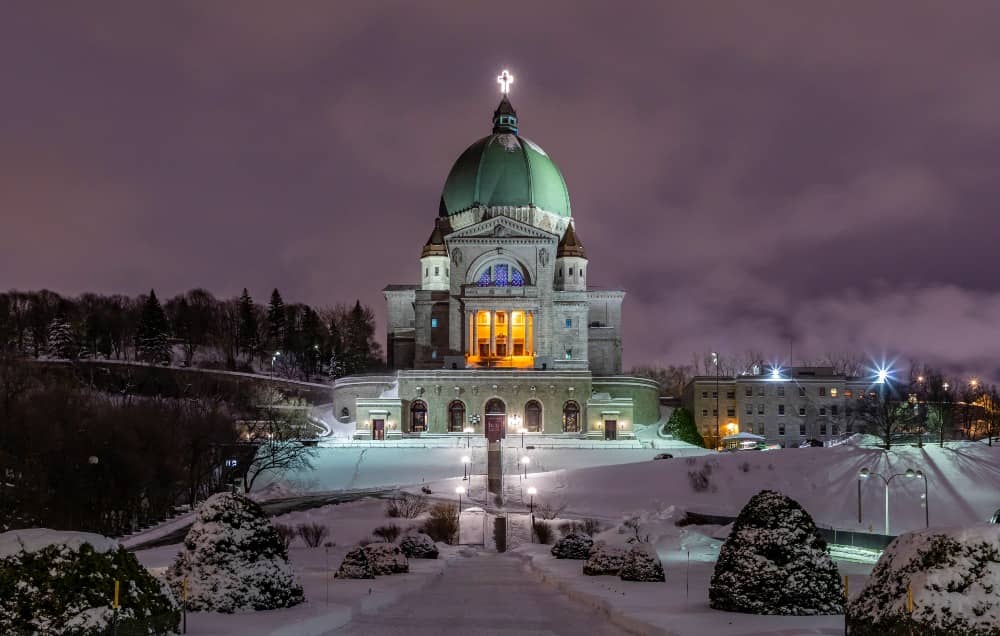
{"points": [[36, 539]]}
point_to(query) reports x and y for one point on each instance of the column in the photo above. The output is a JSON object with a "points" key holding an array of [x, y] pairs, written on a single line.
{"points": [[470, 332], [493, 333], [510, 333]]}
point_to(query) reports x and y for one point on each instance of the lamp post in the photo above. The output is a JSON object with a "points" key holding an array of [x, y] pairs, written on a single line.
{"points": [[466, 460], [864, 473], [532, 491], [468, 430], [718, 432], [275, 356], [459, 490], [522, 431], [525, 460]]}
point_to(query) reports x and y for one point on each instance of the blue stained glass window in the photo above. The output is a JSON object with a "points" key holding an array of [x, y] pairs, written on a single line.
{"points": [[516, 278], [500, 275], [484, 279]]}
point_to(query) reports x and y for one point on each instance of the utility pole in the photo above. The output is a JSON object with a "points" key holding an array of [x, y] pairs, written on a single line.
{"points": [[718, 433]]}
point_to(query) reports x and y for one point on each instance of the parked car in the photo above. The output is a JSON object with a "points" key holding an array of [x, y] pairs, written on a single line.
{"points": [[663, 456]]}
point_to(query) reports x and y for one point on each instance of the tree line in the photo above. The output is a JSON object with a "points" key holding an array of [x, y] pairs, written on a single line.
{"points": [[192, 329]]}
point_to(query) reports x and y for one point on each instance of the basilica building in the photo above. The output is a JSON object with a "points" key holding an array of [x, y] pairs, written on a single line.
{"points": [[502, 335]]}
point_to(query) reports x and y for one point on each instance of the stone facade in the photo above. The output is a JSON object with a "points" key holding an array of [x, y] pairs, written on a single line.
{"points": [[786, 408]]}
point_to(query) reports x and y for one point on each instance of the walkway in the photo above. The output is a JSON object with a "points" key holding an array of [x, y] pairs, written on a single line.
{"points": [[489, 595]]}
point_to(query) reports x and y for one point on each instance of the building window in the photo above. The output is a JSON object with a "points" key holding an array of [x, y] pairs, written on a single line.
{"points": [[427, 272], [749, 409], [781, 430], [344, 413], [802, 430], [571, 417], [730, 412], [822, 429], [760, 391], [833, 391], [500, 275], [437, 271], [802, 410], [434, 323], [715, 412], [569, 354], [456, 416], [822, 391], [569, 323], [704, 412], [760, 409], [715, 394], [802, 391], [760, 429], [570, 272], [533, 416], [730, 395], [434, 354], [834, 409], [418, 417], [822, 410], [704, 395], [781, 409], [781, 391], [749, 391], [848, 393]]}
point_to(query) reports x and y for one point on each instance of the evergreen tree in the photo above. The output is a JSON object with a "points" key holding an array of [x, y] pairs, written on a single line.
{"points": [[62, 340], [152, 333], [681, 425], [360, 350], [276, 321], [248, 343], [335, 345]]}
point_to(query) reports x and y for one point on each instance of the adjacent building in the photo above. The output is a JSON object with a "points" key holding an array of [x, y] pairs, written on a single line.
{"points": [[785, 406]]}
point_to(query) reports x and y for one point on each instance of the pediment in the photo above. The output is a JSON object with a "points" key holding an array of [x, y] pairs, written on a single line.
{"points": [[501, 227]]}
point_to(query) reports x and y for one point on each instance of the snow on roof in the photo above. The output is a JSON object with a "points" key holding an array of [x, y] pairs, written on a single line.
{"points": [[744, 435], [35, 539], [391, 392]]}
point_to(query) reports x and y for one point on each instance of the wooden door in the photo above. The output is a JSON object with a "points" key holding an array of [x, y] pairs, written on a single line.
{"points": [[610, 429]]}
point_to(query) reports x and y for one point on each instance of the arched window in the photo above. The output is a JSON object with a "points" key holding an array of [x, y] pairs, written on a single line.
{"points": [[571, 417], [533, 416], [500, 275], [456, 417], [418, 417]]}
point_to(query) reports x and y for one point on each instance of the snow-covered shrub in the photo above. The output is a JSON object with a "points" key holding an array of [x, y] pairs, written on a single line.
{"points": [[573, 546], [954, 576], [386, 558], [355, 565], [406, 505], [775, 562], [604, 559], [418, 546], [55, 582], [642, 564], [543, 532], [234, 560], [312, 533], [442, 525], [387, 533]]}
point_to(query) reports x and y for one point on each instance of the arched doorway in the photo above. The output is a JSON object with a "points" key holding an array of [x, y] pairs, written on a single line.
{"points": [[571, 417], [496, 420], [456, 416], [533, 416], [418, 417]]}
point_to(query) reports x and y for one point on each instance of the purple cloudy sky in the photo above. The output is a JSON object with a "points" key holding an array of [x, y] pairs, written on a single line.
{"points": [[749, 172]]}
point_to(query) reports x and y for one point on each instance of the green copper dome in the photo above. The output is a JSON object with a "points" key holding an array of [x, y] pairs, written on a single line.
{"points": [[504, 169]]}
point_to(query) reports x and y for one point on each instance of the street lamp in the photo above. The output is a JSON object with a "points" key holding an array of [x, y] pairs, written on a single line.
{"points": [[522, 431], [459, 490], [465, 467], [468, 430], [275, 356], [525, 460], [718, 433], [864, 473], [926, 501], [532, 491]]}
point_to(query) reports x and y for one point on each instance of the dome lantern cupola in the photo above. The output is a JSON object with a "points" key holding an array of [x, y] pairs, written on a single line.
{"points": [[505, 118]]}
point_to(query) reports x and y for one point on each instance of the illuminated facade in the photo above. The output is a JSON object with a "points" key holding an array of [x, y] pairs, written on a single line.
{"points": [[502, 324]]}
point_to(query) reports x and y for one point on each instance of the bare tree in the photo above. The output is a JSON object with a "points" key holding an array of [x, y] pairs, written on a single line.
{"points": [[885, 413], [278, 428]]}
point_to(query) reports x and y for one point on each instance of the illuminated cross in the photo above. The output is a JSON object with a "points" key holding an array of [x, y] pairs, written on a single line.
{"points": [[505, 79]]}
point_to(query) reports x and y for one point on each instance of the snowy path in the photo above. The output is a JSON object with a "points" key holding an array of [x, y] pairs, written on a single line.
{"points": [[486, 594]]}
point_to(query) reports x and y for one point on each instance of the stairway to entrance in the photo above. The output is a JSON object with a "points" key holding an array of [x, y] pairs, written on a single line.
{"points": [[490, 595]]}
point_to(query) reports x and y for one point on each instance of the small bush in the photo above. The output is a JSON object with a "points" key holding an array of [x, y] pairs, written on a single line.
{"points": [[745, 467], [388, 533], [543, 532], [418, 546], [573, 546], [312, 533], [406, 505], [426, 490], [548, 510], [442, 525], [701, 478], [287, 534]]}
